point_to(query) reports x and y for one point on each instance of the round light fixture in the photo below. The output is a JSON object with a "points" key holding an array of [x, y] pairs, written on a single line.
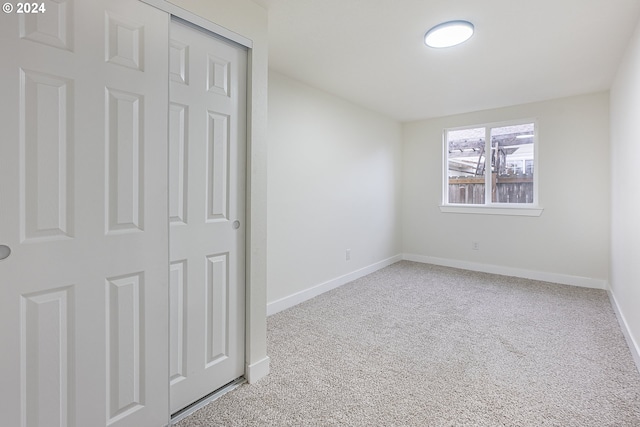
{"points": [[449, 34]]}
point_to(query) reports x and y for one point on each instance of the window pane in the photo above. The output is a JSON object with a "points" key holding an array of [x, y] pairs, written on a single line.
{"points": [[466, 165], [512, 164]]}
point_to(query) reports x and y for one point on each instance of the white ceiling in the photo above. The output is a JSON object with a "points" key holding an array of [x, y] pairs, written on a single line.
{"points": [[371, 52]]}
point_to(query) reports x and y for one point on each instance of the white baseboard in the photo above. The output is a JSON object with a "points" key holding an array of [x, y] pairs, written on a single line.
{"points": [[258, 370], [633, 345], [565, 279], [302, 296]]}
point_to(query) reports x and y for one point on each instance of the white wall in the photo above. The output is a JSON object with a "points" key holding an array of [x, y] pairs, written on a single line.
{"points": [[569, 243], [250, 20], [625, 190], [334, 184]]}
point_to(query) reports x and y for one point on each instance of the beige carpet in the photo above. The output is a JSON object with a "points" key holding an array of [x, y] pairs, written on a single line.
{"points": [[421, 345]]}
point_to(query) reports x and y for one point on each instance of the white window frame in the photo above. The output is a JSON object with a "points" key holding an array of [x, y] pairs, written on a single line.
{"points": [[489, 207]]}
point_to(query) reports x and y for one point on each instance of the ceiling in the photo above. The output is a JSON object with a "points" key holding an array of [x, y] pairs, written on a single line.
{"points": [[371, 52]]}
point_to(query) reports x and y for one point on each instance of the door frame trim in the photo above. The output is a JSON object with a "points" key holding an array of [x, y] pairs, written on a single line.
{"points": [[191, 17]]}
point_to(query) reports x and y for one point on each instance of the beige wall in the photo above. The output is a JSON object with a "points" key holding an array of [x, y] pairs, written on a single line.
{"points": [[334, 184], [569, 242], [250, 20], [625, 190]]}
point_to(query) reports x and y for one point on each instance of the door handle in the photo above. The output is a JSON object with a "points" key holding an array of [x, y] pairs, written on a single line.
{"points": [[236, 224], [5, 251]]}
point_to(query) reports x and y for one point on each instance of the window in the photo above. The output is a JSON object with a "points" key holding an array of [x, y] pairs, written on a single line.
{"points": [[491, 166]]}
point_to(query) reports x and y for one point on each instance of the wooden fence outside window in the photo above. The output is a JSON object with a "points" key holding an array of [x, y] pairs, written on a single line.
{"points": [[505, 189]]}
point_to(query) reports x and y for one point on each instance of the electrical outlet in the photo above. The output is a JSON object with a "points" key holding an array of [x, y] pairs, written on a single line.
{"points": [[348, 254], [475, 246]]}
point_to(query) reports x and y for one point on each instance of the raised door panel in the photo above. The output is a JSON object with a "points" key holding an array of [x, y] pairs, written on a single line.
{"points": [[47, 357], [46, 156], [218, 78], [217, 309], [124, 161], [178, 326], [179, 62], [53, 28], [124, 41], [125, 345], [178, 163], [217, 177]]}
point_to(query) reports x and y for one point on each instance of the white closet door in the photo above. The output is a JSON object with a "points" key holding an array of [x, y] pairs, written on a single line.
{"points": [[83, 208], [206, 208]]}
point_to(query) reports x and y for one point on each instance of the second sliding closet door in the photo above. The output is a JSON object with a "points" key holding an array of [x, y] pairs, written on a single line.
{"points": [[207, 164]]}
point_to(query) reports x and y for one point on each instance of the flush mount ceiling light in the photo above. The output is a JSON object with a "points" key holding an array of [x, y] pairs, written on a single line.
{"points": [[449, 34]]}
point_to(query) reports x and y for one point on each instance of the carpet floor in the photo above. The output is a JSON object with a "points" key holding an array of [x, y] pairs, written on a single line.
{"points": [[421, 345]]}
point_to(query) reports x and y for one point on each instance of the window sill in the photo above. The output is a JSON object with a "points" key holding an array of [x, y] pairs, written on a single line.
{"points": [[493, 210]]}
